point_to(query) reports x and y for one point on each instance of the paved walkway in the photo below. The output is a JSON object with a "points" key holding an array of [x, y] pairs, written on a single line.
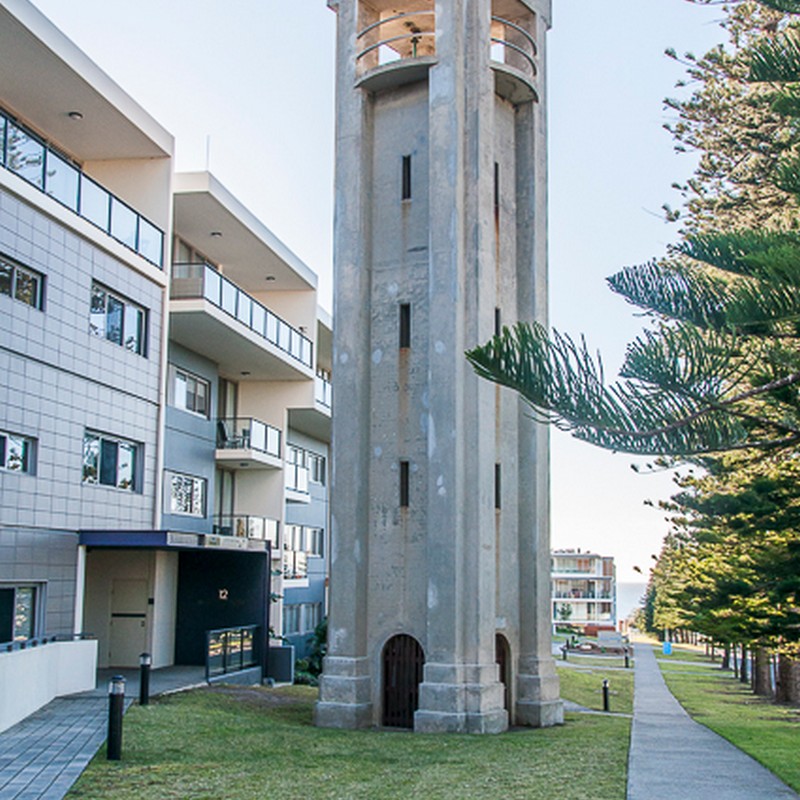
{"points": [[42, 756], [673, 756]]}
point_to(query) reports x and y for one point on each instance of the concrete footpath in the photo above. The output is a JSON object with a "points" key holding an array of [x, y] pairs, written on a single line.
{"points": [[42, 756], [673, 756]]}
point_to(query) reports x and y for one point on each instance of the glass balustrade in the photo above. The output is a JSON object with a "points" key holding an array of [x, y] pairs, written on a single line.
{"points": [[24, 154], [247, 526], [246, 433], [191, 281]]}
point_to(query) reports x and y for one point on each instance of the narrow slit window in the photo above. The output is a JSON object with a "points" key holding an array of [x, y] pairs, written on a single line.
{"points": [[496, 189], [404, 487], [405, 325], [497, 322], [497, 489], [406, 190]]}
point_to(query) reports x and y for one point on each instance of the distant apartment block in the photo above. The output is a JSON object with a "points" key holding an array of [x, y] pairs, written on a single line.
{"points": [[165, 396], [583, 588]]}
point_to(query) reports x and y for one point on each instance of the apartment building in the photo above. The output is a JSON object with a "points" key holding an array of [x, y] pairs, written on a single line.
{"points": [[583, 588], [165, 393]]}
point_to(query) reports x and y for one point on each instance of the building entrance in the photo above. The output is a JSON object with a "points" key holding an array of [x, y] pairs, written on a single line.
{"points": [[403, 661]]}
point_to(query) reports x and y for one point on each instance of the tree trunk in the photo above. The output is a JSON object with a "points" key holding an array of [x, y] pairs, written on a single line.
{"points": [[762, 681], [788, 689], [726, 657], [743, 666]]}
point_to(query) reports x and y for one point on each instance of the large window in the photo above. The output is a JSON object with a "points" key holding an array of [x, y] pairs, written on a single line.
{"points": [[16, 452], [18, 612], [316, 468], [117, 320], [189, 392], [186, 494], [21, 283], [109, 461], [301, 618]]}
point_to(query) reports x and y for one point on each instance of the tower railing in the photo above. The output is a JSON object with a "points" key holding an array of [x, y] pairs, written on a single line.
{"points": [[410, 34], [514, 46]]}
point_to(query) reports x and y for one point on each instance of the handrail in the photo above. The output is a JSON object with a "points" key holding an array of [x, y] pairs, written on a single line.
{"points": [[518, 29], [248, 433], [237, 303], [528, 57], [393, 39], [380, 22], [55, 175]]}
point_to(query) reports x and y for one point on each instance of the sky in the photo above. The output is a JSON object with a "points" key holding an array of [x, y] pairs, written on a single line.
{"points": [[246, 87]]}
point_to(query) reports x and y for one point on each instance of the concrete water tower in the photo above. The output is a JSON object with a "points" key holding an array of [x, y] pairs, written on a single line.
{"points": [[439, 603]]}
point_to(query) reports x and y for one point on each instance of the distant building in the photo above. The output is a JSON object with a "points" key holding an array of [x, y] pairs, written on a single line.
{"points": [[583, 588]]}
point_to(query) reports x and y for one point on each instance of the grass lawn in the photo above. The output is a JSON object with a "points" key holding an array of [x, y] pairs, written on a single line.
{"points": [[769, 733], [598, 661], [585, 686], [681, 652], [241, 743]]}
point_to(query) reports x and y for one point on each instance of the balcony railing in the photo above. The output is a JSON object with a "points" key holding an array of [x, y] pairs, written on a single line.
{"points": [[247, 526], [408, 35], [296, 477], [295, 564], [231, 650], [323, 390], [512, 45], [191, 281], [24, 154], [246, 433]]}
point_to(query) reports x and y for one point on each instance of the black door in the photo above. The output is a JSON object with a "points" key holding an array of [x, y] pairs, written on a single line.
{"points": [[403, 661]]}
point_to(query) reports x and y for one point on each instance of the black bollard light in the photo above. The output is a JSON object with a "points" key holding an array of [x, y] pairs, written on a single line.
{"points": [[116, 705], [564, 652], [145, 662], [605, 694], [627, 659]]}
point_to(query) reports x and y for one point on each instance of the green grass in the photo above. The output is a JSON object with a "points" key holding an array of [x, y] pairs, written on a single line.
{"points": [[686, 653], [598, 661], [768, 732], [241, 743], [585, 686]]}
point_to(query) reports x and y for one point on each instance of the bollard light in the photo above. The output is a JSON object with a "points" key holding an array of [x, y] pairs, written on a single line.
{"points": [[627, 659], [116, 705], [564, 652], [605, 694], [145, 662]]}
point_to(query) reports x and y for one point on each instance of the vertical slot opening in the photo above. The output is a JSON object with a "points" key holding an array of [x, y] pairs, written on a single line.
{"points": [[405, 324], [406, 188], [404, 487], [497, 489]]}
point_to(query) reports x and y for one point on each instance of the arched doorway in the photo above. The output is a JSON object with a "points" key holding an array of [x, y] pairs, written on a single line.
{"points": [[403, 660], [502, 655]]}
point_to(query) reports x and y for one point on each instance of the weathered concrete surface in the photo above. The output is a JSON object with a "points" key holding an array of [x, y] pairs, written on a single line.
{"points": [[671, 755]]}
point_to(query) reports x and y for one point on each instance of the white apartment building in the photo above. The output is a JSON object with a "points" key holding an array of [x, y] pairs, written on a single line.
{"points": [[164, 394], [583, 588]]}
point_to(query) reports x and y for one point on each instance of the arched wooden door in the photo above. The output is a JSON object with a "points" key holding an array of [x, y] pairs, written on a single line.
{"points": [[502, 656], [403, 661]]}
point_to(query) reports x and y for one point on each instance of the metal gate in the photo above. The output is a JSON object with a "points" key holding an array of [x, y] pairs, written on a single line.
{"points": [[403, 661]]}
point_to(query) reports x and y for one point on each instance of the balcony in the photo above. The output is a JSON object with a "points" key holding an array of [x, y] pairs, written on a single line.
{"points": [[246, 442], [30, 158], [514, 60], [295, 565], [398, 48], [244, 532], [212, 315], [323, 392]]}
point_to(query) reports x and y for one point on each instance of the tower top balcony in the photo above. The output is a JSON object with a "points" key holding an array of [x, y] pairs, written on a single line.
{"points": [[396, 44]]}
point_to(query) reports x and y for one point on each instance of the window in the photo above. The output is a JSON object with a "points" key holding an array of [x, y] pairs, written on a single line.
{"points": [[498, 324], [117, 320], [109, 461], [296, 469], [18, 613], [405, 325], [314, 541], [406, 189], [291, 620], [497, 489], [316, 468], [21, 283], [189, 392], [186, 495], [312, 616], [404, 487], [16, 452]]}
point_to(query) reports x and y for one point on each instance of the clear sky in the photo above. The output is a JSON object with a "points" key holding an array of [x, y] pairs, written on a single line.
{"points": [[248, 86]]}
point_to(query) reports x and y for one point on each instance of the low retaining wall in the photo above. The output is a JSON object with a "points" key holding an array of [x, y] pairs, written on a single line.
{"points": [[31, 678]]}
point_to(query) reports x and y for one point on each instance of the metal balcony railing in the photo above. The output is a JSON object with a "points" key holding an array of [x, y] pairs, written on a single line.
{"points": [[295, 564], [323, 391], [512, 45], [246, 433], [26, 155], [408, 35], [192, 281], [231, 650], [247, 526]]}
